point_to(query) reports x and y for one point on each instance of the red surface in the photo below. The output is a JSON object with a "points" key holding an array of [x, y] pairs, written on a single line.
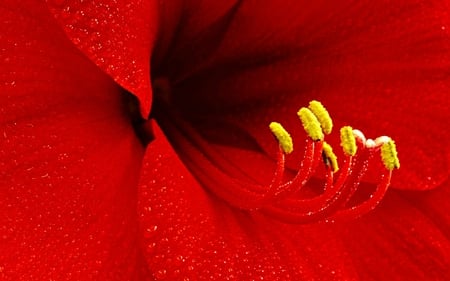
{"points": [[117, 35], [82, 199], [69, 159]]}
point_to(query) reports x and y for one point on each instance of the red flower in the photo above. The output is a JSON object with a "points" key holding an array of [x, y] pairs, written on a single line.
{"points": [[82, 199]]}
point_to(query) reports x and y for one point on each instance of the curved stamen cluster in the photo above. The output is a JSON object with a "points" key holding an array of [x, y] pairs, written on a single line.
{"points": [[277, 198], [281, 199], [332, 204]]}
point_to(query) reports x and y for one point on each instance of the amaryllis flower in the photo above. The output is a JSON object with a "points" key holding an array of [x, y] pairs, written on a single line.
{"points": [[135, 141]]}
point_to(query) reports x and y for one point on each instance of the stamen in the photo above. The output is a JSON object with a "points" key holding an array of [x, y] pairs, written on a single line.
{"points": [[370, 143], [281, 199], [390, 161], [324, 205], [389, 155], [370, 204], [359, 136], [331, 204], [310, 159], [381, 140], [329, 157], [310, 124], [322, 115], [283, 137], [348, 140], [314, 120], [359, 167]]}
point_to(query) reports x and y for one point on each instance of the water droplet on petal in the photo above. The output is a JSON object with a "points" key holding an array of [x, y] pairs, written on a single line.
{"points": [[161, 274]]}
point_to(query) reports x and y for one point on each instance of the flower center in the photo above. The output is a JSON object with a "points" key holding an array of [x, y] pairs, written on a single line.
{"points": [[141, 126], [280, 199]]}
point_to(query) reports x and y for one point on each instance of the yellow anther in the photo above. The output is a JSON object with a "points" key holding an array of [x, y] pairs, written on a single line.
{"points": [[329, 157], [310, 124], [283, 137], [389, 155], [348, 141], [322, 115]]}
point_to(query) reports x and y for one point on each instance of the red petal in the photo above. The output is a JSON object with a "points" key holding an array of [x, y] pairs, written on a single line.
{"points": [[189, 233], [405, 238], [69, 158], [380, 67], [117, 35]]}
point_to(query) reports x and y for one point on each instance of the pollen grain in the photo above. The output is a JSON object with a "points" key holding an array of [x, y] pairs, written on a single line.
{"points": [[322, 115], [311, 124], [389, 155], [283, 137], [348, 141]]}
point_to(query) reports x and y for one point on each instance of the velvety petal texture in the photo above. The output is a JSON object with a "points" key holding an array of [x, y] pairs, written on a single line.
{"points": [[77, 202], [191, 234], [69, 158], [405, 238], [117, 35], [381, 67]]}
